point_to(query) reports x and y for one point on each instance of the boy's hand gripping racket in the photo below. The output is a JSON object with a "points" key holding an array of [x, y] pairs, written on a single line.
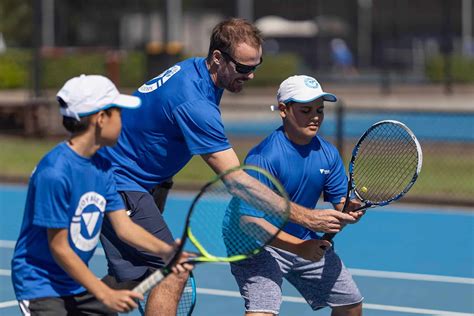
{"points": [[385, 163], [218, 224]]}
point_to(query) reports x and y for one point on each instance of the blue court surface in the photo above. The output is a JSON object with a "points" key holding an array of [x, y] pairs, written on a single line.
{"points": [[406, 259]]}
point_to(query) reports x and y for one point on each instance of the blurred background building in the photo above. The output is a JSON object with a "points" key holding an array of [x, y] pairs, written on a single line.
{"points": [[406, 38], [410, 60]]}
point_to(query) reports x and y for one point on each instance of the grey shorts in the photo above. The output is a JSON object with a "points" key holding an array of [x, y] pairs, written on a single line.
{"points": [[323, 283]]}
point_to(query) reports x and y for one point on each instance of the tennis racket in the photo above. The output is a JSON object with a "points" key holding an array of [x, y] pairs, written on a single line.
{"points": [[188, 297], [232, 218], [385, 163]]}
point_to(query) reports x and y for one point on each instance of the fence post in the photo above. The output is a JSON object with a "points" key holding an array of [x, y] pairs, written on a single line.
{"points": [[340, 111]]}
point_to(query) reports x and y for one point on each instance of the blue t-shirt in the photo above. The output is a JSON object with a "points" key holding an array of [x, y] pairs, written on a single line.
{"points": [[65, 191], [305, 172], [179, 117]]}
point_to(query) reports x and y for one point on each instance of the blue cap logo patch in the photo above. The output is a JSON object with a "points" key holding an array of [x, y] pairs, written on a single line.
{"points": [[311, 83]]}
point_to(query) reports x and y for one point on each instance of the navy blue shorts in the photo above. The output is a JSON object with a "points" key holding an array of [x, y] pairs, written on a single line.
{"points": [[80, 304], [126, 263]]}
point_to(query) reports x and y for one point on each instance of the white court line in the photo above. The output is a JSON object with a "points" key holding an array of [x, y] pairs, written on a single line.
{"points": [[4, 272], [379, 307], [293, 299], [411, 276], [8, 304], [355, 272]]}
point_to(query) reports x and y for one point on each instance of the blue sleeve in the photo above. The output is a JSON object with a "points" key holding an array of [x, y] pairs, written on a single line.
{"points": [[114, 200], [335, 186], [51, 199], [202, 128]]}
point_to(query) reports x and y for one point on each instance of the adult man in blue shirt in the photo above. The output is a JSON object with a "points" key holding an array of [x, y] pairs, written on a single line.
{"points": [[179, 118]]}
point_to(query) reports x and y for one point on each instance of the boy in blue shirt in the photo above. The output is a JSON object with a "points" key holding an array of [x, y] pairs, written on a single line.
{"points": [[307, 165], [70, 192]]}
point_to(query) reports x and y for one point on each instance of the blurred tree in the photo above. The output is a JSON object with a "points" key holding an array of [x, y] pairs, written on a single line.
{"points": [[16, 22]]}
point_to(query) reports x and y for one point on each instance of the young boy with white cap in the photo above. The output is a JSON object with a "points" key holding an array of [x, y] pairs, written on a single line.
{"points": [[307, 165], [69, 192]]}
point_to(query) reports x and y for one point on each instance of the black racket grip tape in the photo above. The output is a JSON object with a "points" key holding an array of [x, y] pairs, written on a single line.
{"points": [[328, 237]]}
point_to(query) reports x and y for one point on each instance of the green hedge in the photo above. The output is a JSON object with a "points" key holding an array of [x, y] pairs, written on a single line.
{"points": [[15, 68], [462, 69]]}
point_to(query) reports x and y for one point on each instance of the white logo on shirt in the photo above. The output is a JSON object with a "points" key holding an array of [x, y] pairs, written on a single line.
{"points": [[162, 78], [90, 219], [324, 171]]}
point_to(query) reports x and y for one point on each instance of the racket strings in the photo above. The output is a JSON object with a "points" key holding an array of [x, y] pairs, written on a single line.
{"points": [[232, 219], [385, 163], [391, 170], [188, 298]]}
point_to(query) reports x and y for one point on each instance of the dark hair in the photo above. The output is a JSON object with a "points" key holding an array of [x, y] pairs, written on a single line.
{"points": [[74, 126], [229, 33]]}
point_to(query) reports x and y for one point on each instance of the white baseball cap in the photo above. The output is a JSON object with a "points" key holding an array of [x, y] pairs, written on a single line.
{"points": [[86, 95], [302, 89]]}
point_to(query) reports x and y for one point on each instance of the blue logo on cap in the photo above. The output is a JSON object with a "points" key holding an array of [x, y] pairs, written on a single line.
{"points": [[311, 83]]}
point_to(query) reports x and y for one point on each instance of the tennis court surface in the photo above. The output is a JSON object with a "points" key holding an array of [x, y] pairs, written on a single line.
{"points": [[406, 259]]}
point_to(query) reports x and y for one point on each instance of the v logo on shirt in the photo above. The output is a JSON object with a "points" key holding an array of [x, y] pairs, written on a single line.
{"points": [[90, 219]]}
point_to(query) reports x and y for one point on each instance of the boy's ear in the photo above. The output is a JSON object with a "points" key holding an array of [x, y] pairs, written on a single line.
{"points": [[100, 118], [282, 108]]}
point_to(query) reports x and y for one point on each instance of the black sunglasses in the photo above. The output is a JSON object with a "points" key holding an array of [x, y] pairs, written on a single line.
{"points": [[241, 68]]}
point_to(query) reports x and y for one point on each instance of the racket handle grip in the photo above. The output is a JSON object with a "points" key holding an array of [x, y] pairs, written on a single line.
{"points": [[147, 284], [328, 237]]}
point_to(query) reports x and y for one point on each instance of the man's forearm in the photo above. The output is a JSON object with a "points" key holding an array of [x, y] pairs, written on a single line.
{"points": [[298, 214]]}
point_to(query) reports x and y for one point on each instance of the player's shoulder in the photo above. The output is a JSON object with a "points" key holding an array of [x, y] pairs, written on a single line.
{"points": [[173, 81], [269, 148], [55, 157], [267, 144], [53, 165]]}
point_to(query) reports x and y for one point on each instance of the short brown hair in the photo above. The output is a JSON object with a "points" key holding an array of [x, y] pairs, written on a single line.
{"points": [[229, 33]]}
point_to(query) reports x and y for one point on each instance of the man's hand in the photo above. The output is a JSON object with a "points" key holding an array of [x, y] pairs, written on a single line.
{"points": [[353, 205], [182, 266], [326, 221], [313, 249]]}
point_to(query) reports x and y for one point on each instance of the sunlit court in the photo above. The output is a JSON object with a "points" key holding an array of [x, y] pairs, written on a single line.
{"points": [[393, 254], [179, 106]]}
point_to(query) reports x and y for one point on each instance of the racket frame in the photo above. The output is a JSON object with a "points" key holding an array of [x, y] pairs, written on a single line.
{"points": [[158, 275], [351, 186]]}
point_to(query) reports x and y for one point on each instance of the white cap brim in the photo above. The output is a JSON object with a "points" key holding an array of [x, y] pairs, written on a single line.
{"points": [[127, 101], [326, 97]]}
